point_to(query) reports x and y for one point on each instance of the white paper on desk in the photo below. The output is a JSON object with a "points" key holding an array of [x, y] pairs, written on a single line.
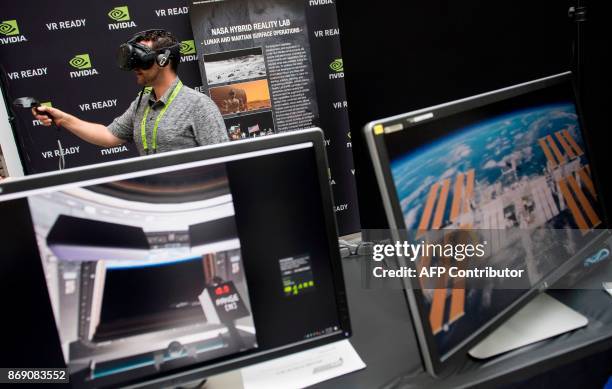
{"points": [[304, 368]]}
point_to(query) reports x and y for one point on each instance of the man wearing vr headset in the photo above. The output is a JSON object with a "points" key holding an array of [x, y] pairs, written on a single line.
{"points": [[169, 117]]}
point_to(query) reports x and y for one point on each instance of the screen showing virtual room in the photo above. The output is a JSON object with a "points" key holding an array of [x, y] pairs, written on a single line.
{"points": [[135, 281], [164, 272]]}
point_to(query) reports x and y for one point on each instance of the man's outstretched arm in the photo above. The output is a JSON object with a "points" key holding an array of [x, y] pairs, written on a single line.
{"points": [[95, 133]]}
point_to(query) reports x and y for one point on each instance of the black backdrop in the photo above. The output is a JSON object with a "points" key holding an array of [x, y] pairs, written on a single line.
{"points": [[39, 40], [54, 33], [400, 56]]}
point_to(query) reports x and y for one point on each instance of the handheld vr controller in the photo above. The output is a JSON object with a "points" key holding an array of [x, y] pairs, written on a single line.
{"points": [[32, 102]]}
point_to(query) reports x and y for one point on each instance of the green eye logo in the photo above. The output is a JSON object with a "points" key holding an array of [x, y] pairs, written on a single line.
{"points": [[119, 14], [187, 47], [9, 28], [47, 104], [80, 61], [337, 65]]}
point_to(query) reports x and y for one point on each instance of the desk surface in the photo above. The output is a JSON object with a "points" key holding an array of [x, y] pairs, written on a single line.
{"points": [[384, 338]]}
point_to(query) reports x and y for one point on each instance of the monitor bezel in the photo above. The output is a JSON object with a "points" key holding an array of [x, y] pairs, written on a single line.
{"points": [[17, 188], [436, 364]]}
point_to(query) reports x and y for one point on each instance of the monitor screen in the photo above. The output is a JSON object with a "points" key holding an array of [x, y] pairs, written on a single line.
{"points": [[162, 271], [510, 160]]}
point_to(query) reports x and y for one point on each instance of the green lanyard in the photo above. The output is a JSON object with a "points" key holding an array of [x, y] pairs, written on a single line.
{"points": [[143, 124]]}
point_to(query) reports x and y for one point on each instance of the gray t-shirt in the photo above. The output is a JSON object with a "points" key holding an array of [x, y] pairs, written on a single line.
{"points": [[191, 120]]}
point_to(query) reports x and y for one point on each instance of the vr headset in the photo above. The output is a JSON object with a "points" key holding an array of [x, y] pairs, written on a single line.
{"points": [[133, 55]]}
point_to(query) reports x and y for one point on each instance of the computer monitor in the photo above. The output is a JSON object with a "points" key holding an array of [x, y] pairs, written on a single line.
{"points": [[510, 160], [164, 270]]}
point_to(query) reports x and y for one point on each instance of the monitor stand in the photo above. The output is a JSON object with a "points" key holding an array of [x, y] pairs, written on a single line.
{"points": [[542, 318]]}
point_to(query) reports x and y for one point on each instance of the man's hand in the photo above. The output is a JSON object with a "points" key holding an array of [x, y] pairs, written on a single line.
{"points": [[58, 117]]}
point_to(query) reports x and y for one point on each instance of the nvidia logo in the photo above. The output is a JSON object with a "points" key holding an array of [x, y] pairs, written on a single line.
{"points": [[187, 47], [119, 14], [188, 51], [9, 32], [46, 104], [80, 61], [9, 28], [337, 65], [121, 17]]}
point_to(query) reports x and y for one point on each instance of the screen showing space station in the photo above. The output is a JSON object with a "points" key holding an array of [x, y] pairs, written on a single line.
{"points": [[517, 171]]}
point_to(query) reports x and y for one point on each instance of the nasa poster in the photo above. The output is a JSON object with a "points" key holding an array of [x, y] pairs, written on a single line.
{"points": [[273, 66]]}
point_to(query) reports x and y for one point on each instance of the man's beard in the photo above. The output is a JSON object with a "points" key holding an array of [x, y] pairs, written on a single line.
{"points": [[145, 81]]}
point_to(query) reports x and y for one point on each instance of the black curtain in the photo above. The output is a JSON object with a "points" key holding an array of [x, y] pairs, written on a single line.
{"points": [[400, 56]]}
